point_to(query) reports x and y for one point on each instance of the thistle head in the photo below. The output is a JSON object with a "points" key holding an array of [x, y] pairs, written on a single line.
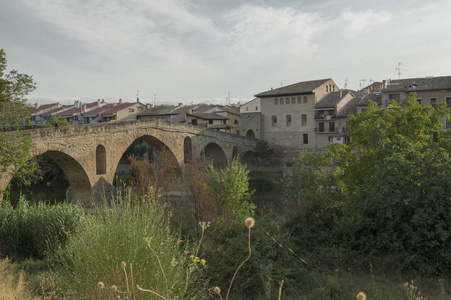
{"points": [[123, 265], [250, 222], [100, 285], [217, 290], [361, 296]]}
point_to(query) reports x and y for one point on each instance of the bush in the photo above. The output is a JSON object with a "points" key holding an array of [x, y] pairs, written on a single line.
{"points": [[270, 263], [36, 231], [140, 237]]}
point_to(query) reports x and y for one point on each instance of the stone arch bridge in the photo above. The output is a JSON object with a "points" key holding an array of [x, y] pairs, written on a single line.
{"points": [[89, 154]]}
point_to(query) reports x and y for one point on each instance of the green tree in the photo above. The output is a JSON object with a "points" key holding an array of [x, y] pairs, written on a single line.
{"points": [[229, 187], [14, 144], [264, 150], [394, 175], [56, 119]]}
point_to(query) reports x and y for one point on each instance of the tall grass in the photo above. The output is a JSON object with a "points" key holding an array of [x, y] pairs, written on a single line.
{"points": [[124, 246], [12, 285], [35, 231]]}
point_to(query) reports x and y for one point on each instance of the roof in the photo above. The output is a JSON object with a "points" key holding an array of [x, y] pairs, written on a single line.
{"points": [[33, 109], [159, 110], [331, 99], [376, 97], [56, 110], [219, 126], [419, 84], [232, 109], [349, 109], [100, 109], [207, 116], [118, 107], [305, 87]]}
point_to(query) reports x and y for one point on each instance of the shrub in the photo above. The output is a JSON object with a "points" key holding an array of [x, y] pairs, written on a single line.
{"points": [[35, 231], [139, 236]]}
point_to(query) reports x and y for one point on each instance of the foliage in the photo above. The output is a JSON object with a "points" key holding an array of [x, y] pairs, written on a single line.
{"points": [[56, 120], [15, 145], [264, 150], [155, 177], [140, 237], [28, 231], [372, 129], [229, 187], [203, 203], [271, 261]]}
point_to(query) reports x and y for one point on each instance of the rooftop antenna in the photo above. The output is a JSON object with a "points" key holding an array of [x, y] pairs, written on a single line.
{"points": [[154, 99], [362, 83], [346, 83], [137, 96], [399, 70]]}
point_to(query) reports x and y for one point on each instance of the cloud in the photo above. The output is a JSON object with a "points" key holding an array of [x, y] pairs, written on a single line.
{"points": [[263, 33], [355, 23]]}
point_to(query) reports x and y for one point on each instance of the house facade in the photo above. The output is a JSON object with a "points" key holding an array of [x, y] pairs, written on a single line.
{"points": [[288, 114]]}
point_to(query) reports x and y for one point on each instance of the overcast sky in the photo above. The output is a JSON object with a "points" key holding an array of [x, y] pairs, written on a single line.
{"points": [[200, 50]]}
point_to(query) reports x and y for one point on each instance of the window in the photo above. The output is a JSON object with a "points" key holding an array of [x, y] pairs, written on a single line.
{"points": [[210, 121], [276, 101], [194, 121], [247, 108], [274, 121], [288, 118], [281, 101], [305, 135], [235, 122], [333, 88], [305, 99], [299, 100], [419, 101], [131, 110], [327, 88], [393, 97], [433, 102], [321, 126], [448, 101], [331, 126], [287, 100], [256, 108], [293, 100], [304, 120]]}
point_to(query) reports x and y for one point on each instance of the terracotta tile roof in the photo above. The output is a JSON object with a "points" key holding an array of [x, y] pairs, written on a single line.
{"points": [[119, 107], [56, 110], [100, 109], [304, 87], [232, 109], [419, 84]]}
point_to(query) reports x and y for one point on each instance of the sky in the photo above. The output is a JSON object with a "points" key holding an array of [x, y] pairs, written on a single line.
{"points": [[218, 51]]}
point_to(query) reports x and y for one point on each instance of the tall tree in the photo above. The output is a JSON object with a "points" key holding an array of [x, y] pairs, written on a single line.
{"points": [[14, 144]]}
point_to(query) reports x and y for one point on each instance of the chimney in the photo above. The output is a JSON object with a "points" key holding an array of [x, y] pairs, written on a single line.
{"points": [[36, 105], [84, 107], [384, 84], [148, 105], [120, 100], [180, 104], [98, 102]]}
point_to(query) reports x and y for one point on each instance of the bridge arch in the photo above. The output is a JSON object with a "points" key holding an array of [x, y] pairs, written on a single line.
{"points": [[214, 152], [160, 150], [250, 133]]}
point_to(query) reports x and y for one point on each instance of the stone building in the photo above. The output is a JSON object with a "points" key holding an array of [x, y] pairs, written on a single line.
{"points": [[288, 114], [251, 118]]}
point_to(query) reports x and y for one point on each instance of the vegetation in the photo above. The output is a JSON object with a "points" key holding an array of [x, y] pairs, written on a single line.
{"points": [[14, 146], [36, 231], [264, 151]]}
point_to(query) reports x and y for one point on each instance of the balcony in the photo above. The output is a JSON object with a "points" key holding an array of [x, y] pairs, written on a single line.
{"points": [[325, 117], [325, 130]]}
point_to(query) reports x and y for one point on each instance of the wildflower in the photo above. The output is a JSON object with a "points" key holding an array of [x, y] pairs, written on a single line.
{"points": [[123, 265], [361, 296], [113, 288], [203, 262], [217, 290], [100, 285], [250, 222]]}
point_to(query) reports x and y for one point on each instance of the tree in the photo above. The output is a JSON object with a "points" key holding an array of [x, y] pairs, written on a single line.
{"points": [[57, 120], [394, 175], [264, 150], [229, 187], [14, 144]]}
